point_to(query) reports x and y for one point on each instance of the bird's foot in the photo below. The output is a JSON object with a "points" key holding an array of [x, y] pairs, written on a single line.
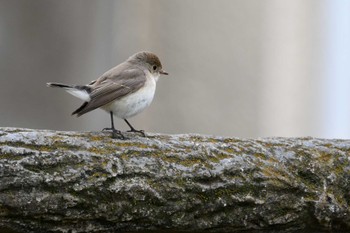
{"points": [[116, 134], [142, 132]]}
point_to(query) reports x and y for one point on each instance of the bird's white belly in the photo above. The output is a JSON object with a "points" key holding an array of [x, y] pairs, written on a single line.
{"points": [[134, 103]]}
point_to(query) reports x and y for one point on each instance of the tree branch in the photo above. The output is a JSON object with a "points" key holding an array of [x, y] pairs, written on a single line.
{"points": [[88, 182]]}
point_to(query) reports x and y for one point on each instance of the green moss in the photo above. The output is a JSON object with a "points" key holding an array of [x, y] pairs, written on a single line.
{"points": [[272, 159], [269, 171], [218, 157], [10, 156], [130, 144], [260, 156], [339, 167], [325, 157], [276, 177], [63, 145], [53, 147], [182, 182], [212, 140], [98, 175], [195, 139], [190, 162], [34, 168], [28, 146], [171, 159], [225, 156], [213, 159], [328, 145], [310, 179], [97, 138], [56, 138], [230, 150], [103, 150], [203, 197], [232, 140]]}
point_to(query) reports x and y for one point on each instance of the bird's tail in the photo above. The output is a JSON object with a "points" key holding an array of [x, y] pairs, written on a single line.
{"points": [[81, 92], [61, 85]]}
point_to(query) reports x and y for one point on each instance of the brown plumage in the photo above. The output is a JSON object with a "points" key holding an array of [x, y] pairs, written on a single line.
{"points": [[124, 90]]}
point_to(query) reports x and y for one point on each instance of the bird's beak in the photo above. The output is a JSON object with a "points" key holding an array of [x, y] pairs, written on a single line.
{"points": [[163, 72]]}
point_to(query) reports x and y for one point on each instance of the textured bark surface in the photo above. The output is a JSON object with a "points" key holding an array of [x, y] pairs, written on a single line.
{"points": [[88, 182]]}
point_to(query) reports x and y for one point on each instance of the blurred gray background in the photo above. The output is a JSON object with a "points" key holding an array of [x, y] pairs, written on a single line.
{"points": [[245, 68]]}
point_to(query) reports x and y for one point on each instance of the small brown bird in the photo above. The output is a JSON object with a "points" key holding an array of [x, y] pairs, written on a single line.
{"points": [[123, 91]]}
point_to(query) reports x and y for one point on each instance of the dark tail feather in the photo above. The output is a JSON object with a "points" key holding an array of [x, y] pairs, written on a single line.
{"points": [[58, 85], [80, 109], [78, 112], [61, 85]]}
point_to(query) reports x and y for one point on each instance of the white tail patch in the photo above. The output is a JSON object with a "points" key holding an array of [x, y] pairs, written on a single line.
{"points": [[81, 94]]}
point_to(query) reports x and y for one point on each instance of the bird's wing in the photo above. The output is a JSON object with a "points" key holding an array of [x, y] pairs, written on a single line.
{"points": [[112, 88]]}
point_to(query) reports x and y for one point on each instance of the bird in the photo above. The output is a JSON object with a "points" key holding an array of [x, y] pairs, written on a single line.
{"points": [[123, 91]]}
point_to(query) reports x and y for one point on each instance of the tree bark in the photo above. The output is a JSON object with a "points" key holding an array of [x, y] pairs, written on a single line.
{"points": [[53, 181]]}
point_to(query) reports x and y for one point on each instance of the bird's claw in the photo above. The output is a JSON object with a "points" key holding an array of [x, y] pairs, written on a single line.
{"points": [[142, 132], [116, 134]]}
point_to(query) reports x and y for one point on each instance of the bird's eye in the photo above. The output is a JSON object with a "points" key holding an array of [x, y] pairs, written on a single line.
{"points": [[154, 67]]}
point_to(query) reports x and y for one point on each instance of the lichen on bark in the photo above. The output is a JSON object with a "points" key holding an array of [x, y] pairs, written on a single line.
{"points": [[52, 181]]}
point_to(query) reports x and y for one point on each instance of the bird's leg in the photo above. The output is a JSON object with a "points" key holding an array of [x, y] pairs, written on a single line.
{"points": [[132, 129], [115, 133], [112, 123]]}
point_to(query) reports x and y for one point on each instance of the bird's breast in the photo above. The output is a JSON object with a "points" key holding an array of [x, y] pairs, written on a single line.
{"points": [[134, 103]]}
